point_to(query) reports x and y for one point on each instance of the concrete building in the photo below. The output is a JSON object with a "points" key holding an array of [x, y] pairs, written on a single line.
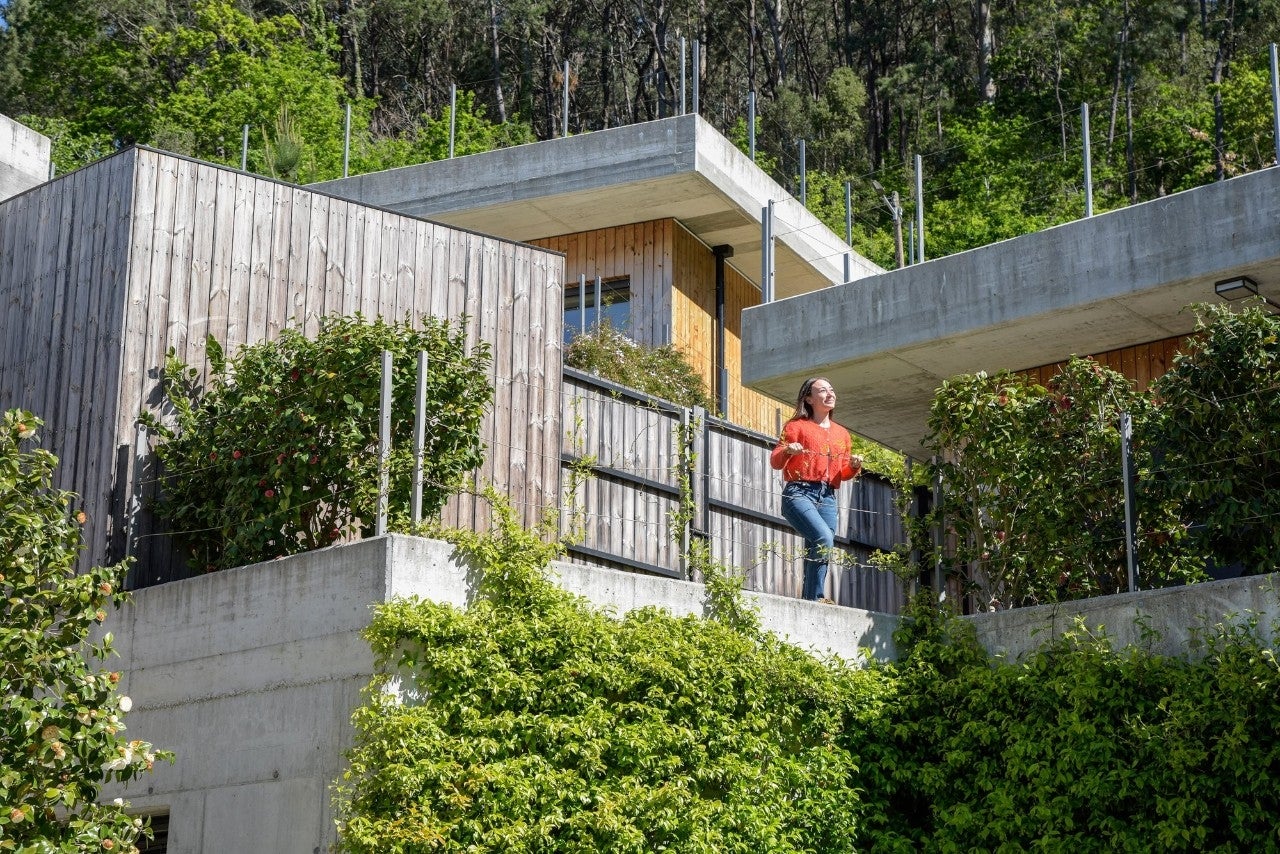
{"points": [[24, 158], [669, 209], [1114, 286]]}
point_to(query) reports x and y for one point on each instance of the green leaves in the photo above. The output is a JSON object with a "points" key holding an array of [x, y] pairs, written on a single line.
{"points": [[60, 719], [277, 453]]}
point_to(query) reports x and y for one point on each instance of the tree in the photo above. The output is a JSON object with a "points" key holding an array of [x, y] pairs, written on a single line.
{"points": [[61, 718], [277, 453]]}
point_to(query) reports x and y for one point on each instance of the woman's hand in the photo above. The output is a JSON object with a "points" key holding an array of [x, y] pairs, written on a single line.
{"points": [[794, 448], [855, 461]]}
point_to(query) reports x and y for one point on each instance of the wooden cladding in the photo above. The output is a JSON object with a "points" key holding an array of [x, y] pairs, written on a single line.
{"points": [[1141, 363], [673, 290], [105, 269]]}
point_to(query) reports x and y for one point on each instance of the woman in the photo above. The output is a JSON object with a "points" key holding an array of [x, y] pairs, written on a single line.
{"points": [[815, 455]]}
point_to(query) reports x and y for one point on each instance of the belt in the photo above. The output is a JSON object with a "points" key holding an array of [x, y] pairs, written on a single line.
{"points": [[821, 483]]}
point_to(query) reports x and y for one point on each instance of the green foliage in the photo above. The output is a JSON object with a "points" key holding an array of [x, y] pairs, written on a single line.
{"points": [[1034, 501], [277, 453], [60, 717], [663, 372], [533, 722], [1212, 437]]}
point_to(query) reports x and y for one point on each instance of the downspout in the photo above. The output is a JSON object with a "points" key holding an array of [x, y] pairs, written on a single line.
{"points": [[722, 373]]}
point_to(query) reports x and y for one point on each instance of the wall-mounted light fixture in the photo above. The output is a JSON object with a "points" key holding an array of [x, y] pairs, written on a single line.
{"points": [[1238, 288]]}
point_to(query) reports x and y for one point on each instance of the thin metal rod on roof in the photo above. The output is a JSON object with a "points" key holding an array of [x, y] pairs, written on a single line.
{"points": [[682, 74], [766, 253], [346, 141], [919, 209], [804, 184], [1275, 101], [1088, 159], [384, 444], [453, 116], [564, 110], [419, 436], [244, 148], [697, 73]]}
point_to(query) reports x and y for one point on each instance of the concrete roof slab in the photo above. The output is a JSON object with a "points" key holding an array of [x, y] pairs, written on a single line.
{"points": [[1097, 284], [679, 168]]}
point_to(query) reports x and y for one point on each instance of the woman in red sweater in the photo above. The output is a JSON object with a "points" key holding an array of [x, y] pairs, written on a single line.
{"points": [[815, 455]]}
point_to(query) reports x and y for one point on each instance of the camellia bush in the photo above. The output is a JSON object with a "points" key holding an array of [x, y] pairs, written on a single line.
{"points": [[532, 722], [277, 452], [61, 716]]}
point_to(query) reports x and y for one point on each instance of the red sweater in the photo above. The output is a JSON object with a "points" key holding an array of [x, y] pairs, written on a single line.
{"points": [[826, 454]]}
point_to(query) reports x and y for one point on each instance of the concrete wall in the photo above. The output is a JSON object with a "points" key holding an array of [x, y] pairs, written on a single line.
{"points": [[24, 158], [250, 676]]}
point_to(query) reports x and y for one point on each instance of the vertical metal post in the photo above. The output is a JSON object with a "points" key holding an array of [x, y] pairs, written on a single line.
{"points": [[1275, 101], [766, 253], [597, 304], [564, 109], [938, 590], [1130, 513], [1088, 159], [244, 148], [419, 436], [683, 84], [697, 73], [685, 528], [848, 230], [751, 126], [384, 444], [453, 116], [582, 303], [53, 169], [346, 141], [919, 209], [803, 175]]}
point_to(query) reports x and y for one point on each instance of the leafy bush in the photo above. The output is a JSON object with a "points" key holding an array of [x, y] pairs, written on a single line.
{"points": [[277, 453], [60, 717], [531, 722], [660, 371]]}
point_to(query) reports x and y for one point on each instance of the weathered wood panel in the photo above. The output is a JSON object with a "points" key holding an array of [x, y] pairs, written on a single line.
{"points": [[103, 270]]}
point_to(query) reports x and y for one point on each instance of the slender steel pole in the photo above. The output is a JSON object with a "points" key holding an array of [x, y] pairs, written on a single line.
{"points": [[453, 116], [766, 253], [564, 110], [919, 209], [1275, 101], [582, 303], [346, 141], [803, 174], [697, 73], [848, 230], [1130, 514], [384, 444], [419, 435], [683, 84], [244, 149], [597, 304], [1088, 159]]}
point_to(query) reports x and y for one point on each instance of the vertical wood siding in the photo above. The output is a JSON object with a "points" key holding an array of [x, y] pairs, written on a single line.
{"points": [[103, 270], [1141, 363], [673, 289]]}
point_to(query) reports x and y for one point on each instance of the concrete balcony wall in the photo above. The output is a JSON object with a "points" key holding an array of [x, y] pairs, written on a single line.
{"points": [[251, 675], [24, 158]]}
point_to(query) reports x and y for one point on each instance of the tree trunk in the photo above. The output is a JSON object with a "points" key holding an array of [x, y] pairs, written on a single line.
{"points": [[986, 49], [496, 58]]}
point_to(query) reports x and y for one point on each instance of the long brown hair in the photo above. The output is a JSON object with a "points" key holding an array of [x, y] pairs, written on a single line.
{"points": [[802, 406]]}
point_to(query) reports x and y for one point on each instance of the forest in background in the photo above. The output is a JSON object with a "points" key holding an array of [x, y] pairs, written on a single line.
{"points": [[987, 92]]}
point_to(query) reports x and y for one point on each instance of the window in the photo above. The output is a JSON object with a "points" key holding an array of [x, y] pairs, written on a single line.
{"points": [[159, 842], [580, 310]]}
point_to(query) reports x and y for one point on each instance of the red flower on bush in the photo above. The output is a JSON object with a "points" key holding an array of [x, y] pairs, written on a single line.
{"points": [[269, 493]]}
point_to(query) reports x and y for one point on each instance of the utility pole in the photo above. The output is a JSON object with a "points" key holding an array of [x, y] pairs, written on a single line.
{"points": [[895, 209]]}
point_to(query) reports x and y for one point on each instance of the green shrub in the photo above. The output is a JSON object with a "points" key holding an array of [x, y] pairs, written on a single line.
{"points": [[277, 453], [660, 371], [61, 717]]}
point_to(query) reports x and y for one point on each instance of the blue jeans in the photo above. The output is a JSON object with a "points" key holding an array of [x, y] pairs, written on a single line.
{"points": [[811, 509]]}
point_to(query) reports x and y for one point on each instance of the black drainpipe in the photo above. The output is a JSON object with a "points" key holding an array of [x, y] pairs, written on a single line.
{"points": [[722, 373]]}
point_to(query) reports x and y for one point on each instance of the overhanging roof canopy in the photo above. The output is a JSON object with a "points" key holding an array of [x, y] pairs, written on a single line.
{"points": [[1121, 278], [679, 167]]}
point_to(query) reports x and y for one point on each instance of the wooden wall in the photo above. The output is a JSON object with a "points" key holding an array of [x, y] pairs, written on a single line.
{"points": [[177, 249], [673, 289], [1141, 363]]}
